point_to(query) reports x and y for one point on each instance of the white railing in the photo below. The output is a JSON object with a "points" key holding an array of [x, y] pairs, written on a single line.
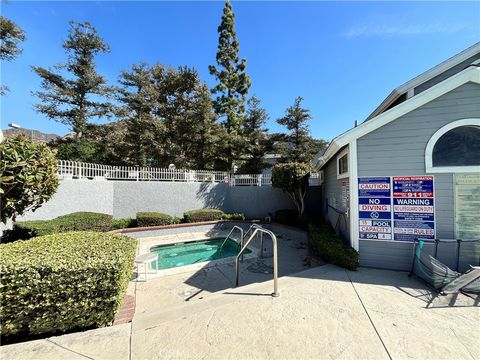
{"points": [[67, 169]]}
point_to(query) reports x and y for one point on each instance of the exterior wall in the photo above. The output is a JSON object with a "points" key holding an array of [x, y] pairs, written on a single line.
{"points": [[445, 75], [125, 198], [332, 200], [76, 195], [398, 148]]}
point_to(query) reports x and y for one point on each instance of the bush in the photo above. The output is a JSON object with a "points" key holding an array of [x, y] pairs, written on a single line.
{"points": [[234, 216], [123, 223], [153, 219], [332, 249], [56, 283], [287, 217], [202, 215], [78, 221], [27, 176]]}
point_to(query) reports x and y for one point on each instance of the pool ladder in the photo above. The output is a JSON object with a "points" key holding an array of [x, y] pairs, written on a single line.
{"points": [[258, 230]]}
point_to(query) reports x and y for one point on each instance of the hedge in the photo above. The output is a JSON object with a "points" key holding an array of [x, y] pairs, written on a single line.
{"points": [[153, 219], [123, 223], [56, 283], [202, 215], [233, 216], [331, 247], [77, 221]]}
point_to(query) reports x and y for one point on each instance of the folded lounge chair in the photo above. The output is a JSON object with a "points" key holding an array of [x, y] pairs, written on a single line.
{"points": [[440, 276]]}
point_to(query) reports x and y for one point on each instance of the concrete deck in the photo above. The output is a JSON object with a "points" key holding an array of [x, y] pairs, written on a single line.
{"points": [[325, 312]]}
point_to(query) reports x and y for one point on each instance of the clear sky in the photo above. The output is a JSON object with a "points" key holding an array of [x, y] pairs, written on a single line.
{"points": [[344, 58]]}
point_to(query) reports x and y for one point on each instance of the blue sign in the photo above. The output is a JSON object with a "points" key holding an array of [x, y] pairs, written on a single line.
{"points": [[375, 208], [413, 208], [396, 208]]}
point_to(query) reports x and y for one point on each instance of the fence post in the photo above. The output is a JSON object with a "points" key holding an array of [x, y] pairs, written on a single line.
{"points": [[259, 181], [138, 172]]}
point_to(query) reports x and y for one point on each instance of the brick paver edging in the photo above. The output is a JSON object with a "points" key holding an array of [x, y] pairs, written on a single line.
{"points": [[174, 226]]}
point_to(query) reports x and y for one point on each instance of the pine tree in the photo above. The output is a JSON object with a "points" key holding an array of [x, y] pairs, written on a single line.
{"points": [[74, 96], [255, 133], [233, 85], [139, 97], [298, 141], [10, 37]]}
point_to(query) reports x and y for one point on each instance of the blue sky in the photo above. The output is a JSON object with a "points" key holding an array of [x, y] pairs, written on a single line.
{"points": [[344, 58]]}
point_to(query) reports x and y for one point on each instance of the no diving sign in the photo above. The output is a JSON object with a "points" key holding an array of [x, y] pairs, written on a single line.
{"points": [[396, 208]]}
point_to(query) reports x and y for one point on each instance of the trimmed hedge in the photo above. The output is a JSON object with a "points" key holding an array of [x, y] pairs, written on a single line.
{"points": [[203, 215], [77, 221], [234, 216], [153, 219], [123, 223], [332, 249], [56, 283]]}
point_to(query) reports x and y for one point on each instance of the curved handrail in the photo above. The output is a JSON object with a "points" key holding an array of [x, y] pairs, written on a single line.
{"points": [[260, 229], [230, 233]]}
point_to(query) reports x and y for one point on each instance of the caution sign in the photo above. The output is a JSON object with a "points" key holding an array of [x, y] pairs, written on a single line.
{"points": [[375, 208]]}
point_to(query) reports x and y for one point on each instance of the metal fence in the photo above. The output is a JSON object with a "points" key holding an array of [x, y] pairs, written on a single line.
{"points": [[67, 169]]}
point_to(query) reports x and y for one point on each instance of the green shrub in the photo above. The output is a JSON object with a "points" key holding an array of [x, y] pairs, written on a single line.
{"points": [[84, 221], [153, 219], [27, 176], [56, 283], [123, 223], [176, 220], [332, 249], [78, 221], [202, 215], [234, 216], [287, 217]]}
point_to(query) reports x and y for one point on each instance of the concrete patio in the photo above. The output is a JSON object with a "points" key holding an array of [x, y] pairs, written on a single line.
{"points": [[324, 312]]}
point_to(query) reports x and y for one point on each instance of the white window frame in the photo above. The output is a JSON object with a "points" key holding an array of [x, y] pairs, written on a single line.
{"points": [[339, 156], [429, 168]]}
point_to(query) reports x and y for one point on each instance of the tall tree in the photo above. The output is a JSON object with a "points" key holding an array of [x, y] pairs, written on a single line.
{"points": [[298, 146], [10, 37], [255, 133], [139, 97], [233, 85], [74, 93]]}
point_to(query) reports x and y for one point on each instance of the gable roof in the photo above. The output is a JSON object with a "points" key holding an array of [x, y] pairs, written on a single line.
{"points": [[403, 90], [470, 74]]}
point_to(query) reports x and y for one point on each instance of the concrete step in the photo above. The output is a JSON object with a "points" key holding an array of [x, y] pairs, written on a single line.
{"points": [[229, 296]]}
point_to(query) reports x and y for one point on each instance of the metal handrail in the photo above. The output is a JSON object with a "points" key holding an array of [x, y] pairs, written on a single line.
{"points": [[230, 233], [258, 229]]}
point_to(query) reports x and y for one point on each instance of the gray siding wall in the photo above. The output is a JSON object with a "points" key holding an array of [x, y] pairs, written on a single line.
{"points": [[332, 195], [398, 148], [126, 198], [445, 74]]}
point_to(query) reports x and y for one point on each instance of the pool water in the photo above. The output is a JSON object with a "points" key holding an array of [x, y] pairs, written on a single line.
{"points": [[176, 255]]}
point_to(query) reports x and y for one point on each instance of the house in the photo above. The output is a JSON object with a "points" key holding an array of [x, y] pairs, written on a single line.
{"points": [[411, 170]]}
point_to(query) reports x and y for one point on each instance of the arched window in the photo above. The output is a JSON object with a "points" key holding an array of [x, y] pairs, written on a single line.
{"points": [[454, 148]]}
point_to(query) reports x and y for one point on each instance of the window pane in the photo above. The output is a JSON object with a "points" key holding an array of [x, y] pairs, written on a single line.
{"points": [[458, 147], [343, 164]]}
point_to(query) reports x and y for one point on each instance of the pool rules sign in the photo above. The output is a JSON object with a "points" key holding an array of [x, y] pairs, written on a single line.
{"points": [[396, 208]]}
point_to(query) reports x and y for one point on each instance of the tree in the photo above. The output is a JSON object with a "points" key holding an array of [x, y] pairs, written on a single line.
{"points": [[10, 37], [255, 132], [140, 99], [233, 85], [292, 178], [296, 121], [27, 176], [76, 99]]}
